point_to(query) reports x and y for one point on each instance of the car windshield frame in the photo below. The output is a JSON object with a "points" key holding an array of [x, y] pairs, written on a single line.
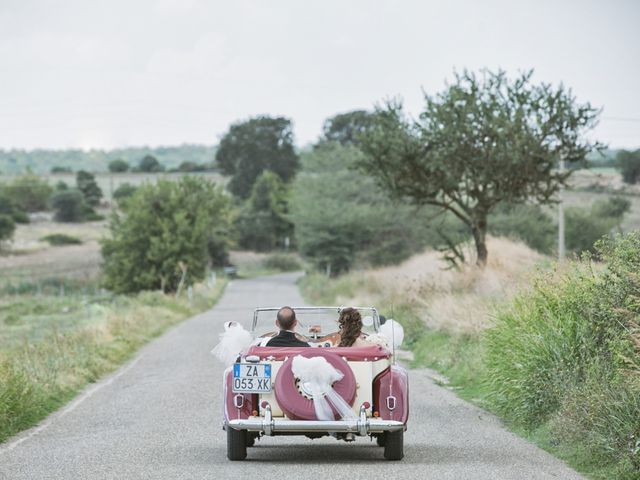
{"points": [[319, 309]]}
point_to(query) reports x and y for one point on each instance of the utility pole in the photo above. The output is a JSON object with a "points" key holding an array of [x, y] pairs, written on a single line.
{"points": [[561, 246]]}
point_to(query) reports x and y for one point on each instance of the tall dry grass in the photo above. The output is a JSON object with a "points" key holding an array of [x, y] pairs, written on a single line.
{"points": [[457, 301], [43, 373]]}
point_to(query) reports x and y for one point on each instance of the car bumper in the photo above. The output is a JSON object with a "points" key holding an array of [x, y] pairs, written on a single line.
{"points": [[357, 427]]}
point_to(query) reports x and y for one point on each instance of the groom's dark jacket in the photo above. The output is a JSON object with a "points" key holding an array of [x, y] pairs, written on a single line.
{"points": [[286, 339]]}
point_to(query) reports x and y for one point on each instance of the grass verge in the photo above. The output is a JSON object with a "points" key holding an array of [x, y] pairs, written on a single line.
{"points": [[52, 346], [559, 362]]}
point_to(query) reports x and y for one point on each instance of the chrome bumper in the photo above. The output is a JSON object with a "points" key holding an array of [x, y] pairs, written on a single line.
{"points": [[362, 426]]}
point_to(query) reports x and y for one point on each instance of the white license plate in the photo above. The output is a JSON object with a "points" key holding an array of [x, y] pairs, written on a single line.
{"points": [[252, 378]]}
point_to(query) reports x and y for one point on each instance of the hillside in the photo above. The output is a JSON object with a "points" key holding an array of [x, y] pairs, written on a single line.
{"points": [[16, 161]]}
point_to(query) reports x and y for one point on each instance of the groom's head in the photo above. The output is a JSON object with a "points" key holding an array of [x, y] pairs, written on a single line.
{"points": [[286, 318]]}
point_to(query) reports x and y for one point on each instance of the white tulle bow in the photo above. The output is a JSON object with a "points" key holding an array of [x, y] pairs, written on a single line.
{"points": [[317, 376], [233, 341]]}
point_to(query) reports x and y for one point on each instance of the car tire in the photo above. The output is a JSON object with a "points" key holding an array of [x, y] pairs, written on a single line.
{"points": [[381, 439], [236, 444], [394, 445]]}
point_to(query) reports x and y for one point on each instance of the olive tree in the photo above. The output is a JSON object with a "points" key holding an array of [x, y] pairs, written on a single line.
{"points": [[484, 140]]}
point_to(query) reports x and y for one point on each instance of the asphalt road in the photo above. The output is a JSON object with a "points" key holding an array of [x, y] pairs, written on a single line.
{"points": [[159, 417]]}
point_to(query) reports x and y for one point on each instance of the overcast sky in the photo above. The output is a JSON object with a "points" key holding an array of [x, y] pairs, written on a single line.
{"points": [[162, 72]]}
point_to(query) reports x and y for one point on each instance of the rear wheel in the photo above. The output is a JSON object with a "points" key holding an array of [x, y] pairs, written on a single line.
{"points": [[381, 439], [394, 445], [236, 444]]}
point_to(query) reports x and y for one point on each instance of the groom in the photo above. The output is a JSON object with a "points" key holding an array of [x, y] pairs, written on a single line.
{"points": [[286, 322]]}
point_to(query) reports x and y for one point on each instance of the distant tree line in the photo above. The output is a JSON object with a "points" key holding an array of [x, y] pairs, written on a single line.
{"points": [[41, 161], [150, 164]]}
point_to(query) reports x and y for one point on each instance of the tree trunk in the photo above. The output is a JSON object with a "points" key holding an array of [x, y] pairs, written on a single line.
{"points": [[479, 230]]}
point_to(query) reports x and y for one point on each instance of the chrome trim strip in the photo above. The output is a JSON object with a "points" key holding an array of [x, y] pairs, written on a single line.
{"points": [[268, 425]]}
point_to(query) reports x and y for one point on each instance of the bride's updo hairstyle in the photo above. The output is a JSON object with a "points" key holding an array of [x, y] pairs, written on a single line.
{"points": [[350, 323]]}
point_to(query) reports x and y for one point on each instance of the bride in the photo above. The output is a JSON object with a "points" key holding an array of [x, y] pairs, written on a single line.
{"points": [[350, 323]]}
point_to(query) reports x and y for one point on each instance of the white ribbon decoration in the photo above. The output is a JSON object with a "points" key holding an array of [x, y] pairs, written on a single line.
{"points": [[233, 341], [317, 376]]}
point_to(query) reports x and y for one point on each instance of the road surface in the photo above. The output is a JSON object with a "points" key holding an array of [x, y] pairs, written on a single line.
{"points": [[159, 417]]}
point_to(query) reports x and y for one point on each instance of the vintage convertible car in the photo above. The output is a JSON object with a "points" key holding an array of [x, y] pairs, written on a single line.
{"points": [[264, 396]]}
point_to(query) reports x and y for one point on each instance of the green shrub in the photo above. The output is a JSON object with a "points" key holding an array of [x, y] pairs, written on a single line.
{"points": [[61, 239], [188, 166], [262, 224], [584, 227], [150, 164], [342, 217], [69, 205], [163, 232], [124, 191], [528, 223], [282, 261], [118, 166], [568, 352], [629, 165], [7, 227], [29, 192], [9, 207], [90, 215], [86, 183]]}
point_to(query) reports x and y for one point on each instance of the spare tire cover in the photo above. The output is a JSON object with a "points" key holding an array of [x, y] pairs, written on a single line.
{"points": [[291, 400]]}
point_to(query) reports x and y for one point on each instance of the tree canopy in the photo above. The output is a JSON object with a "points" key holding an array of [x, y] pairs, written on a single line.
{"points": [[165, 233], [86, 183], [342, 217], [345, 128], [150, 164], [263, 224], [69, 205], [629, 165], [7, 227], [29, 192], [251, 147], [118, 166], [484, 140]]}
